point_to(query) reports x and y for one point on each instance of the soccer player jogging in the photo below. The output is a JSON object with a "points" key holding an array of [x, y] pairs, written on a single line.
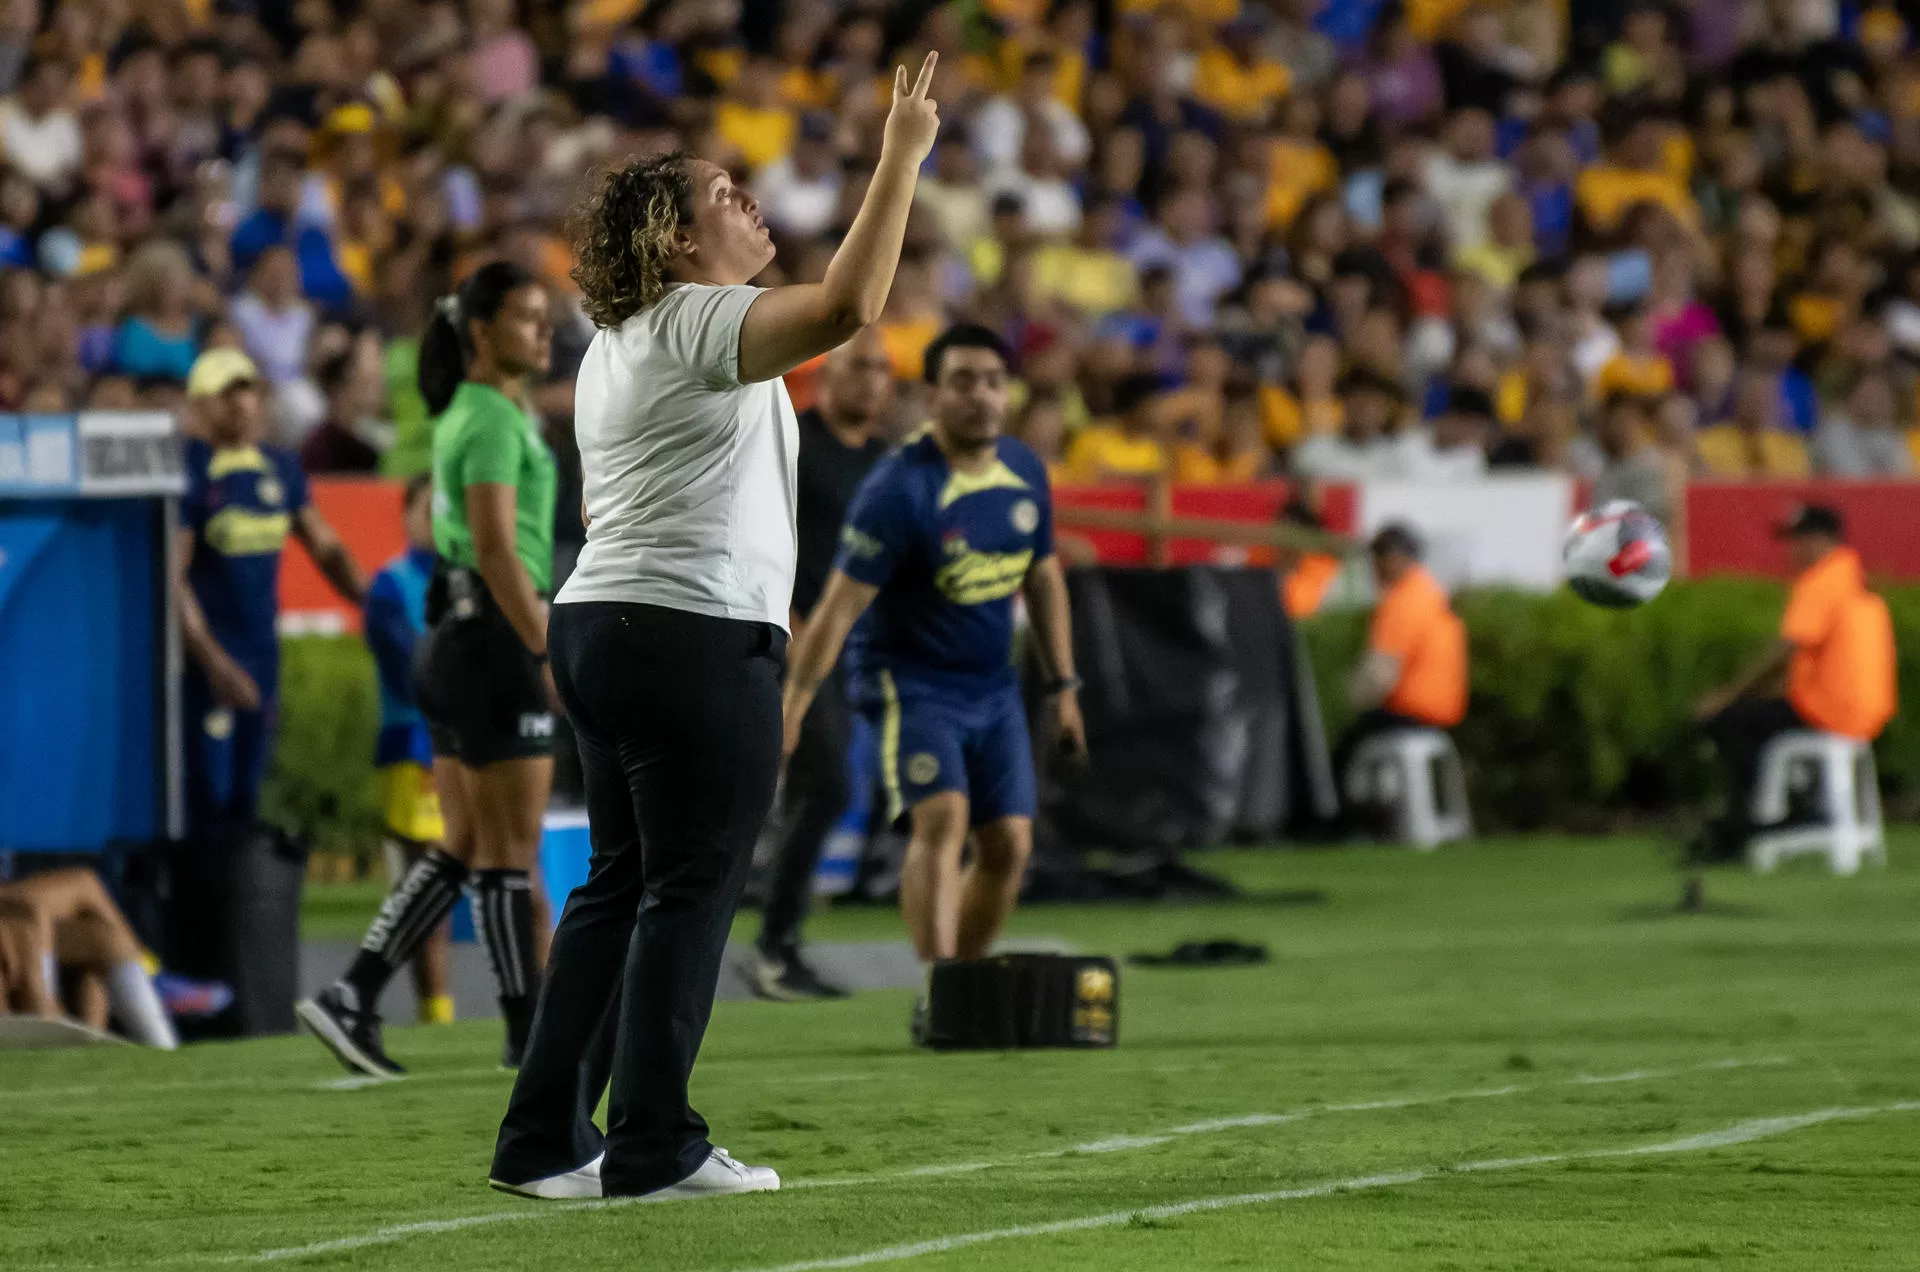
{"points": [[669, 639], [482, 677], [838, 448], [941, 537]]}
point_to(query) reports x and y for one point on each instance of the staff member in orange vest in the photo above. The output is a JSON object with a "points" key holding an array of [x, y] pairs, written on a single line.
{"points": [[1836, 648], [1414, 673], [1305, 576]]}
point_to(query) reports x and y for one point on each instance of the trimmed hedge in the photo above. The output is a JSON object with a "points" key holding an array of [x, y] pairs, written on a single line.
{"points": [[1579, 717]]}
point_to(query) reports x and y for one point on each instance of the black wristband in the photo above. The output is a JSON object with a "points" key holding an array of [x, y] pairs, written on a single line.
{"points": [[1062, 684]]}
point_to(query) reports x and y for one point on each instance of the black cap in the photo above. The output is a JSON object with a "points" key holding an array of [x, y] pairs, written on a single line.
{"points": [[1397, 537], [1810, 519]]}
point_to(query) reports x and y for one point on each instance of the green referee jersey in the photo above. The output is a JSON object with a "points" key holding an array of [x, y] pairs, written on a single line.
{"points": [[484, 437]]}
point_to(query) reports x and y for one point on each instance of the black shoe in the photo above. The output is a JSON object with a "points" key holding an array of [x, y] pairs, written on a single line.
{"points": [[785, 977], [352, 1036]]}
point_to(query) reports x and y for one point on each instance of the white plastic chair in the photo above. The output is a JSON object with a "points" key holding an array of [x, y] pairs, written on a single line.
{"points": [[1417, 773], [1850, 827]]}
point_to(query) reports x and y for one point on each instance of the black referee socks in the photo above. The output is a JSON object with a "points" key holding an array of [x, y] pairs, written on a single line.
{"points": [[504, 907], [409, 914]]}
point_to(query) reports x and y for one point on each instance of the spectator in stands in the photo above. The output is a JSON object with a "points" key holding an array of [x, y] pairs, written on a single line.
{"points": [[1414, 672], [243, 499], [1863, 439], [1751, 443], [1637, 469], [39, 132], [1460, 437], [274, 321], [396, 618], [1132, 444], [1836, 651], [279, 221], [1369, 402], [351, 437], [157, 338], [1234, 450]]}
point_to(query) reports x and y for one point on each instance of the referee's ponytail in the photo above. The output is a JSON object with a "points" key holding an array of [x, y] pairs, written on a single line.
{"points": [[447, 344]]}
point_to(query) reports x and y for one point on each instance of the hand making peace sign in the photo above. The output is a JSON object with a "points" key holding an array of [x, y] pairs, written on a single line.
{"points": [[914, 121]]}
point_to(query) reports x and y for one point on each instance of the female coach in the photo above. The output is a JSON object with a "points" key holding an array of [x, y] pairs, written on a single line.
{"points": [[482, 681], [668, 643]]}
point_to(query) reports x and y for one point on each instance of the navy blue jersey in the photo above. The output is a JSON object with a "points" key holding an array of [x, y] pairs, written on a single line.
{"points": [[240, 504], [947, 550]]}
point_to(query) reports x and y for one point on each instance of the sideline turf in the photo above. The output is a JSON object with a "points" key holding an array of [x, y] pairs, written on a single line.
{"points": [[1522, 963]]}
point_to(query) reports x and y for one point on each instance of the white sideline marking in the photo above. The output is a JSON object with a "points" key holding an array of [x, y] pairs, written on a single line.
{"points": [[1122, 1143], [1738, 1133], [401, 1232]]}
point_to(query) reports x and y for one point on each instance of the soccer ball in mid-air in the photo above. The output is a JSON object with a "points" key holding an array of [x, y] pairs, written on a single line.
{"points": [[1617, 555]]}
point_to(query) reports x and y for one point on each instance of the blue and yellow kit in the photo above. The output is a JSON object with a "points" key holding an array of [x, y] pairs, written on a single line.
{"points": [[240, 504], [931, 660], [396, 619]]}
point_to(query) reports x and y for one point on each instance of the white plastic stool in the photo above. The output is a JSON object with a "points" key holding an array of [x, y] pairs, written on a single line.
{"points": [[1417, 773], [1850, 803]]}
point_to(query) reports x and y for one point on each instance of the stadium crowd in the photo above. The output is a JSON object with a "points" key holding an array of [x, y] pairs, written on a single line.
{"points": [[1225, 238]]}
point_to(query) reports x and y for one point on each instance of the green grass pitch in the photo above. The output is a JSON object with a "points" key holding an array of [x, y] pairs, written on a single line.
{"points": [[1497, 1056]]}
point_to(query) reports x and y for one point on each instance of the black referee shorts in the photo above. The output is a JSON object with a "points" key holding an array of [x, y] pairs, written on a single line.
{"points": [[481, 690]]}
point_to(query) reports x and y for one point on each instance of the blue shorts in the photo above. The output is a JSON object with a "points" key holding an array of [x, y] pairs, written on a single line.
{"points": [[227, 754], [933, 742]]}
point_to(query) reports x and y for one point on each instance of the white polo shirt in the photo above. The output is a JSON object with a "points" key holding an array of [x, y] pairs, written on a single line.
{"points": [[689, 473]]}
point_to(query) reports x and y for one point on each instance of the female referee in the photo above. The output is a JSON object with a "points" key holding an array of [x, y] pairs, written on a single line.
{"points": [[669, 639], [482, 677]]}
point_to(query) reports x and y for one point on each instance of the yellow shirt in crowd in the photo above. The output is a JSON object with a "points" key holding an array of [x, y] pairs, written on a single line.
{"points": [[1285, 421], [1104, 450], [1648, 375], [1241, 93], [1091, 280], [1727, 451], [761, 136], [1606, 192], [1297, 172]]}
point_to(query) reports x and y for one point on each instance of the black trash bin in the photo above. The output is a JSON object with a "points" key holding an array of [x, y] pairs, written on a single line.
{"points": [[236, 918]]}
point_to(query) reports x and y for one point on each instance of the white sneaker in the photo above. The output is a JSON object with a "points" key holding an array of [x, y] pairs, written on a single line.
{"points": [[572, 1186], [718, 1175]]}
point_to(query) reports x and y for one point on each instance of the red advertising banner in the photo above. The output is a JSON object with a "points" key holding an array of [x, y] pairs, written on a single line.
{"points": [[365, 513], [1730, 526]]}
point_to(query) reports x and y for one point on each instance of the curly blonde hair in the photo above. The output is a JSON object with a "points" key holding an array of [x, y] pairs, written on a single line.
{"points": [[623, 235]]}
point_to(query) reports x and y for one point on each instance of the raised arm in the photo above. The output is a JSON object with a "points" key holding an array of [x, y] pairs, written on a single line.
{"points": [[789, 325], [840, 607]]}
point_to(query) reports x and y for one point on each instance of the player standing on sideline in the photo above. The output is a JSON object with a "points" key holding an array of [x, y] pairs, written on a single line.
{"points": [[396, 619], [940, 538], [482, 678], [838, 448], [669, 640], [243, 499]]}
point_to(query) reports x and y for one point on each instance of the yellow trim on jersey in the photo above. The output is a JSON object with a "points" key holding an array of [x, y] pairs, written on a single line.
{"points": [[996, 476], [237, 459], [890, 747], [243, 532], [974, 578]]}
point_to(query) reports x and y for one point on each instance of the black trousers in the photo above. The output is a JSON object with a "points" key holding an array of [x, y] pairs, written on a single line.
{"points": [[1740, 733], [678, 720], [816, 795]]}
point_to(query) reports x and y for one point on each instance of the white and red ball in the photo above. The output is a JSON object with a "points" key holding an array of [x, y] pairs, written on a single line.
{"points": [[1617, 555]]}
